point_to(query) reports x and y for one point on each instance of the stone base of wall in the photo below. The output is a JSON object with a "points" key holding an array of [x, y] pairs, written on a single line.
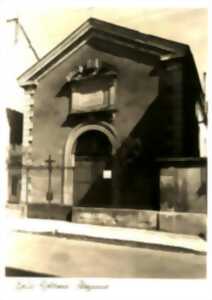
{"points": [[48, 211], [131, 218], [183, 185], [184, 223], [176, 222]]}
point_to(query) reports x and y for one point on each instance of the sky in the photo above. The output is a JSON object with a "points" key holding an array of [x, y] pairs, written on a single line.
{"points": [[47, 25]]}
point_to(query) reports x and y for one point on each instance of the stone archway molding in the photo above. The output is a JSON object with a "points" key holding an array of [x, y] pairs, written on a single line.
{"points": [[69, 152]]}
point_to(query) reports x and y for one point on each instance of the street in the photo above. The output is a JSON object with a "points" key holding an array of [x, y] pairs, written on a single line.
{"points": [[64, 257]]}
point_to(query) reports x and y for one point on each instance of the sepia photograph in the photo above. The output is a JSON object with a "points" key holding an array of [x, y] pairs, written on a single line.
{"points": [[104, 113]]}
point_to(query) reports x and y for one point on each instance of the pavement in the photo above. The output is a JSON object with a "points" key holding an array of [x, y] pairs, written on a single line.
{"points": [[111, 235]]}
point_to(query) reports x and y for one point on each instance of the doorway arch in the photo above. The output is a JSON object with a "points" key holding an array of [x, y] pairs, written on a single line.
{"points": [[104, 129]]}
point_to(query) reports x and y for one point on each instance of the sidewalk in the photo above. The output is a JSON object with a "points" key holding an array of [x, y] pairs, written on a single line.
{"points": [[115, 235]]}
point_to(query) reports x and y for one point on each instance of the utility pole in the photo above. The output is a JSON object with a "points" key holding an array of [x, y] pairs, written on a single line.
{"points": [[18, 26]]}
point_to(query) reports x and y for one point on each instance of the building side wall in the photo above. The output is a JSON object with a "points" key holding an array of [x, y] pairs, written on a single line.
{"points": [[149, 108]]}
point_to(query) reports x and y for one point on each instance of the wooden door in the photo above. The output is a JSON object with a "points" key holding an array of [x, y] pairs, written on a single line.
{"points": [[87, 174]]}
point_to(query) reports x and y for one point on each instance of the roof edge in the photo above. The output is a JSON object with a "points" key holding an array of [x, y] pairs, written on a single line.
{"points": [[93, 23]]}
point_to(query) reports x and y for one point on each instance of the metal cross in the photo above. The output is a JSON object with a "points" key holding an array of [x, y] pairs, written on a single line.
{"points": [[49, 194]]}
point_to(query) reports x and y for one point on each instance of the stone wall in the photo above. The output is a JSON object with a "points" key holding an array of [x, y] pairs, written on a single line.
{"points": [[183, 186], [48, 211], [176, 222], [116, 217], [186, 223]]}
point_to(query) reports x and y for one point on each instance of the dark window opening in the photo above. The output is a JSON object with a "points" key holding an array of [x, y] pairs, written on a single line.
{"points": [[15, 120], [93, 144], [14, 186]]}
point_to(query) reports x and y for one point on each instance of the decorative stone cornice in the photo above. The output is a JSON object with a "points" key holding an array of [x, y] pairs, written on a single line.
{"points": [[30, 87], [94, 68]]}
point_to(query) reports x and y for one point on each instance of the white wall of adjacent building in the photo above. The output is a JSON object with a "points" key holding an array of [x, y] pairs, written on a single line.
{"points": [[15, 57]]}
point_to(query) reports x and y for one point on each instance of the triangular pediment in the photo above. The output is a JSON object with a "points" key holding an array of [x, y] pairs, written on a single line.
{"points": [[109, 38]]}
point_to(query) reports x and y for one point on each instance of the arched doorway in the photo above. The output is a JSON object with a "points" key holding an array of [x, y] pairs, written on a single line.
{"points": [[93, 155], [75, 155]]}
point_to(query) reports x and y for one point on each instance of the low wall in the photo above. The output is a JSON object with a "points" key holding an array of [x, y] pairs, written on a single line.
{"points": [[186, 223], [131, 218], [176, 222], [48, 211]]}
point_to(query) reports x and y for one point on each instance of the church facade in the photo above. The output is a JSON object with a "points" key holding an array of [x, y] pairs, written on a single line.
{"points": [[111, 123]]}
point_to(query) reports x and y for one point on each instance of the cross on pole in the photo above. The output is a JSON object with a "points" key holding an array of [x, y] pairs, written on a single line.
{"points": [[49, 194]]}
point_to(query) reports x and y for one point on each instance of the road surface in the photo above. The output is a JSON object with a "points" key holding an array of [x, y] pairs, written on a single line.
{"points": [[62, 257]]}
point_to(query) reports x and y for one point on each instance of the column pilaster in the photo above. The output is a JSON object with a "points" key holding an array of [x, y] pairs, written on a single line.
{"points": [[27, 142]]}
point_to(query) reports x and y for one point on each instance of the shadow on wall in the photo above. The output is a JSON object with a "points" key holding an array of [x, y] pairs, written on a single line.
{"points": [[163, 131], [99, 194], [137, 177]]}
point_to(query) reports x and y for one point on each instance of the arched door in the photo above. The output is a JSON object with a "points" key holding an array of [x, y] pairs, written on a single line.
{"points": [[93, 155]]}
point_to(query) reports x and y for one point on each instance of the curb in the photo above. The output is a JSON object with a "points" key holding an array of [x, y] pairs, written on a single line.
{"points": [[112, 241]]}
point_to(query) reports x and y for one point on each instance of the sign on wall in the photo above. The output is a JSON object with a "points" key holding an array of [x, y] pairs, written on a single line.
{"points": [[89, 101], [107, 174]]}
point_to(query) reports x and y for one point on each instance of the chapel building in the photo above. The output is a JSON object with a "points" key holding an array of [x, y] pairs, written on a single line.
{"points": [[111, 123]]}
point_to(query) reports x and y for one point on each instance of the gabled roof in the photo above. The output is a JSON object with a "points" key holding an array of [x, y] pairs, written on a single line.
{"points": [[106, 35]]}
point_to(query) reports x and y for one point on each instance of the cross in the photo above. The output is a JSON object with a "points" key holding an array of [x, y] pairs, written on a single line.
{"points": [[49, 162], [49, 194]]}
